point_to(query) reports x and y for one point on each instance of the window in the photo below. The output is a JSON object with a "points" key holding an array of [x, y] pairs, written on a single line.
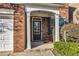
{"points": [[6, 31]]}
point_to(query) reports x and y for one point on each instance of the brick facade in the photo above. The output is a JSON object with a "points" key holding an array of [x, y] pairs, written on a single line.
{"points": [[45, 28], [19, 24], [19, 21], [63, 11]]}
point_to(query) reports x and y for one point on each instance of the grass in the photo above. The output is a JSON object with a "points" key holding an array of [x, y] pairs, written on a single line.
{"points": [[66, 48]]}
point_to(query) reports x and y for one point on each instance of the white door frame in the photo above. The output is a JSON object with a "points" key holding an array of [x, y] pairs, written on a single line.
{"points": [[32, 25], [29, 10]]}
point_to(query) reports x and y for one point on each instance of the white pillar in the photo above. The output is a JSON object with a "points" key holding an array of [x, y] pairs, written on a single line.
{"points": [[56, 27], [28, 31]]}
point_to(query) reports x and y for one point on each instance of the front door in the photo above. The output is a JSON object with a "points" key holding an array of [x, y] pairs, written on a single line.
{"points": [[36, 30]]}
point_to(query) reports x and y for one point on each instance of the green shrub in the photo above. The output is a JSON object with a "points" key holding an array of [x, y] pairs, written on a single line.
{"points": [[67, 48], [72, 32]]}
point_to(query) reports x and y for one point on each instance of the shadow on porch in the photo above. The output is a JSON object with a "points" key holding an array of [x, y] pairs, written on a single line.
{"points": [[42, 45]]}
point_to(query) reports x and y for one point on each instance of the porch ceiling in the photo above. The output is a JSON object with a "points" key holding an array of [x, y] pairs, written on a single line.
{"points": [[42, 13]]}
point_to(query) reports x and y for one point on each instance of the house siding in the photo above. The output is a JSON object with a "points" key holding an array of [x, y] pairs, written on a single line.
{"points": [[19, 22]]}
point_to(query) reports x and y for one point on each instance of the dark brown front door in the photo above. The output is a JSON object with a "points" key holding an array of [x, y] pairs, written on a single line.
{"points": [[36, 30]]}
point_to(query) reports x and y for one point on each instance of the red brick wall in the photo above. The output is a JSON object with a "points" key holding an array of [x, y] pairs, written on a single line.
{"points": [[19, 22], [45, 28], [63, 11]]}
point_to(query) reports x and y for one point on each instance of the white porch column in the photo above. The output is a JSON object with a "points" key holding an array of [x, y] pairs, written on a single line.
{"points": [[56, 27], [28, 31]]}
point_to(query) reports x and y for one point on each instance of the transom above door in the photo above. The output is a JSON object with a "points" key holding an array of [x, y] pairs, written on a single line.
{"points": [[36, 28]]}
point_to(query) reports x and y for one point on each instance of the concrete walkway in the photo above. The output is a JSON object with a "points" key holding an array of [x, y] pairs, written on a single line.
{"points": [[32, 52], [47, 52]]}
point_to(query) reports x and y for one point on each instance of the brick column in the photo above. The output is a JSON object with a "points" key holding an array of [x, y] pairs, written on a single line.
{"points": [[19, 29]]}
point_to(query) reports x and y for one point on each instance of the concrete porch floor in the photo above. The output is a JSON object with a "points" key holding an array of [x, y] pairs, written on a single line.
{"points": [[42, 45]]}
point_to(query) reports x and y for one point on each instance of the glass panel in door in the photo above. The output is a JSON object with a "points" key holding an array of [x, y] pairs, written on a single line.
{"points": [[36, 30]]}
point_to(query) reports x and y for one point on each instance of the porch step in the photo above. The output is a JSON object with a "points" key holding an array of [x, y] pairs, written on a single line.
{"points": [[5, 53], [32, 52]]}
